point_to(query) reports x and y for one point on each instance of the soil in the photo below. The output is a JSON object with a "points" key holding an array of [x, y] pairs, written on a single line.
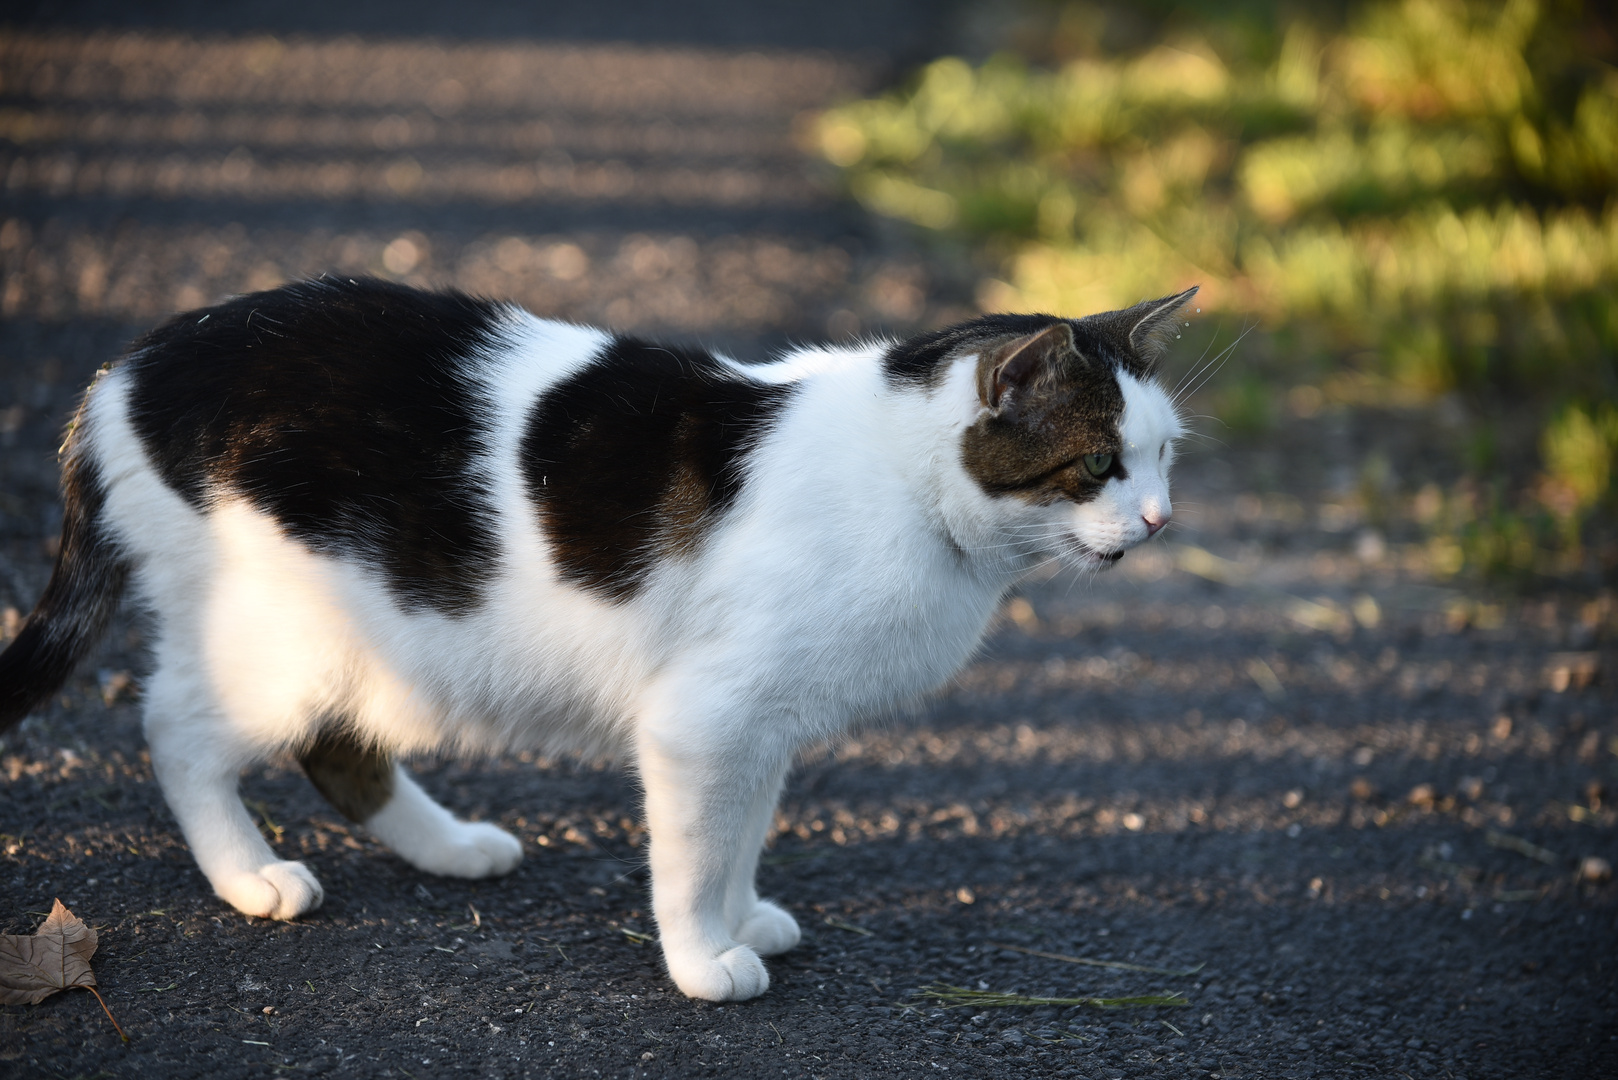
{"points": [[1348, 808]]}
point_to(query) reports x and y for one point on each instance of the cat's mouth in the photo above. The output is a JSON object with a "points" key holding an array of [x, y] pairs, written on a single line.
{"points": [[1089, 556]]}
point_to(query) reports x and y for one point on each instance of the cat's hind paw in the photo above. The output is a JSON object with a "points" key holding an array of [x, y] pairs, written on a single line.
{"points": [[278, 890], [769, 930], [472, 850], [734, 975]]}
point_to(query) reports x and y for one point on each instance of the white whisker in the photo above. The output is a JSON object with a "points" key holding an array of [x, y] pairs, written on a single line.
{"points": [[1214, 369]]}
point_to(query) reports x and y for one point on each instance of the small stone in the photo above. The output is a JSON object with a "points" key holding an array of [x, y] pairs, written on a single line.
{"points": [[269, 1010], [647, 1055], [1595, 868], [1422, 795], [1362, 789]]}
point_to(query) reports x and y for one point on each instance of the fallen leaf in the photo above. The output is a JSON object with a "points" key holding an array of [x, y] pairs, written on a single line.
{"points": [[55, 957]]}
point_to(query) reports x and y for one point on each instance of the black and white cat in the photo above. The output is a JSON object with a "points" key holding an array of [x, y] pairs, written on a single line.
{"points": [[371, 521]]}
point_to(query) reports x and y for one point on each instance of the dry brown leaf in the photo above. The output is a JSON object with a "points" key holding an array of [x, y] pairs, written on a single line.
{"points": [[55, 957]]}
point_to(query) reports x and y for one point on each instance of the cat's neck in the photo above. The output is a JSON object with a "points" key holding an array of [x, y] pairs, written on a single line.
{"points": [[895, 452]]}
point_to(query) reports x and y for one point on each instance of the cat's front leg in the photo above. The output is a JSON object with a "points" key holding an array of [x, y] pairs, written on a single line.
{"points": [[767, 927], [709, 800]]}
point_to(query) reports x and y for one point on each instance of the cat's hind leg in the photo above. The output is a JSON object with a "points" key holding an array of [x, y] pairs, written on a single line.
{"points": [[198, 760], [369, 788]]}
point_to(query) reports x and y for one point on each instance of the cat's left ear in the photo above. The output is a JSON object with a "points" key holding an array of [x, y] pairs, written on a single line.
{"points": [[1149, 326], [1022, 364]]}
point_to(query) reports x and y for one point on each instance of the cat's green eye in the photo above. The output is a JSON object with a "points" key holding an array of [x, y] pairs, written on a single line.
{"points": [[1098, 464]]}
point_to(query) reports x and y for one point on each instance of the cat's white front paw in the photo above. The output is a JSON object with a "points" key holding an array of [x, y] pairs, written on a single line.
{"points": [[769, 929], [471, 850], [278, 890], [734, 975]]}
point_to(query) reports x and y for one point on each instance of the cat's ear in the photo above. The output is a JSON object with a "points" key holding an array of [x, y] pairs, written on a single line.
{"points": [[1149, 326], [1019, 365]]}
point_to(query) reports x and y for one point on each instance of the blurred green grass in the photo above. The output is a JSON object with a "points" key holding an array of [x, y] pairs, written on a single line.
{"points": [[1413, 199]]}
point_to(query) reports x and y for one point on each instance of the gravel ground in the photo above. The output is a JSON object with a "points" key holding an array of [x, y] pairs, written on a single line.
{"points": [[1279, 750]]}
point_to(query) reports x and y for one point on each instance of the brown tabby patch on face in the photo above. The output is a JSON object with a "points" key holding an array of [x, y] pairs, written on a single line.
{"points": [[1048, 406], [355, 778]]}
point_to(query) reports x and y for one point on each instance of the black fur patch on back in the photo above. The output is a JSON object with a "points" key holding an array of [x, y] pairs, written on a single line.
{"points": [[919, 360], [634, 457], [341, 408]]}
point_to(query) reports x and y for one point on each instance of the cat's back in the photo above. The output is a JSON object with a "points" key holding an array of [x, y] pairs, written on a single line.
{"points": [[347, 410], [439, 440]]}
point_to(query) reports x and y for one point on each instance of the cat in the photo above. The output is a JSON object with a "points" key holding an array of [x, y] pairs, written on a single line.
{"points": [[370, 521]]}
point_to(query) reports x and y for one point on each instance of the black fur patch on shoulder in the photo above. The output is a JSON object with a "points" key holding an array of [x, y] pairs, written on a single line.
{"points": [[919, 360], [635, 456], [343, 409]]}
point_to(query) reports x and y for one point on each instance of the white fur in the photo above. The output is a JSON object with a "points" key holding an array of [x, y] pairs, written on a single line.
{"points": [[857, 569]]}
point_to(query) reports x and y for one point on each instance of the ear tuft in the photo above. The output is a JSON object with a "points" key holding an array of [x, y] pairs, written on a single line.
{"points": [[1151, 325], [1023, 363]]}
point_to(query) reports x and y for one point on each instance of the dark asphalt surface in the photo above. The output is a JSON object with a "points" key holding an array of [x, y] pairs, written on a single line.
{"points": [[1279, 749]]}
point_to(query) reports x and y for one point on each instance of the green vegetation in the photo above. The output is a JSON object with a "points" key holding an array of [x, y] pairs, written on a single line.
{"points": [[1416, 197]]}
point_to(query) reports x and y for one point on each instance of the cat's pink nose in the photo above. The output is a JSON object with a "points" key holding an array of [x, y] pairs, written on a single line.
{"points": [[1154, 522]]}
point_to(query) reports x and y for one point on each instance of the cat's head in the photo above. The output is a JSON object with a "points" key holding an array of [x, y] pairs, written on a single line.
{"points": [[1071, 436]]}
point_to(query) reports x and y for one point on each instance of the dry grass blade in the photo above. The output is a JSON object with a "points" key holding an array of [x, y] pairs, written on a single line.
{"points": [[960, 997], [1520, 846], [1466, 875], [1205, 564], [1266, 678], [1517, 896], [850, 927], [1116, 965]]}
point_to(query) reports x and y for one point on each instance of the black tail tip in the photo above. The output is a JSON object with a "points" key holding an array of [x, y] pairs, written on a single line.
{"points": [[32, 668]]}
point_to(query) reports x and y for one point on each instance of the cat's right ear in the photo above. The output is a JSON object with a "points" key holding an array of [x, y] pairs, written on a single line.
{"points": [[1008, 372]]}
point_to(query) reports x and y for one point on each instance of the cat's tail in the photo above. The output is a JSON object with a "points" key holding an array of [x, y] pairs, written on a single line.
{"points": [[78, 603]]}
